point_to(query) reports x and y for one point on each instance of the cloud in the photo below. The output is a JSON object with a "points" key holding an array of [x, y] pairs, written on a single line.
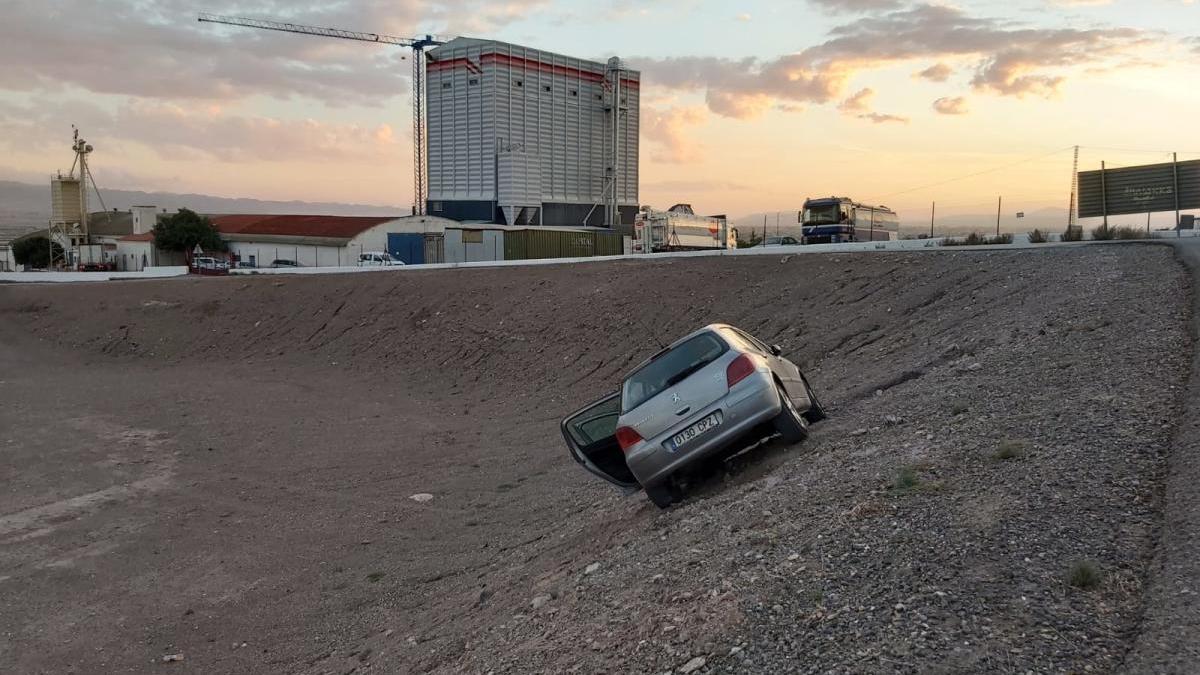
{"points": [[859, 102], [1012, 60], [938, 72], [951, 105], [743, 17], [159, 50], [856, 6], [174, 131], [667, 131], [880, 118]]}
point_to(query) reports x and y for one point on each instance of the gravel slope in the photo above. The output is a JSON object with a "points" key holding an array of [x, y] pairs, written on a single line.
{"points": [[253, 442]]}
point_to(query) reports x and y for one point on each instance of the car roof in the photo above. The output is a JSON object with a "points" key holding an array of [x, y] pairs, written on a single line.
{"points": [[710, 328]]}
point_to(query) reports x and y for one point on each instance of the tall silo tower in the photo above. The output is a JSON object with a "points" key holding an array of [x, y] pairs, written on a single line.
{"points": [[523, 136]]}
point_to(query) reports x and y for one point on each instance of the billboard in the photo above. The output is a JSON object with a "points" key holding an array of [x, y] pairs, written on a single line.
{"points": [[1139, 189]]}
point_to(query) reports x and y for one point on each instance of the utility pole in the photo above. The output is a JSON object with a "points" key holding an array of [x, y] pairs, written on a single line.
{"points": [[1175, 170], [1104, 192], [932, 213], [764, 229], [1074, 189], [999, 201]]}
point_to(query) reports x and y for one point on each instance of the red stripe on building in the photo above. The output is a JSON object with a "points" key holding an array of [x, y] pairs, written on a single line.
{"points": [[526, 64]]}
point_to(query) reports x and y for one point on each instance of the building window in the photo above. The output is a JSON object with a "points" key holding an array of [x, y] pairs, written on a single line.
{"points": [[435, 206], [575, 93], [472, 236], [546, 88], [599, 97], [473, 80], [518, 83], [446, 85]]}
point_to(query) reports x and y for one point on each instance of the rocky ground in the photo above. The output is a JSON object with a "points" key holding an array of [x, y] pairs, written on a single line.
{"points": [[221, 470]]}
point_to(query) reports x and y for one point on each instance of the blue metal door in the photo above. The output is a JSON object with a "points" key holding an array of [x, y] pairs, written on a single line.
{"points": [[407, 246]]}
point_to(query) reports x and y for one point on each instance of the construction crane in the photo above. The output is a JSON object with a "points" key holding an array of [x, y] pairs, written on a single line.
{"points": [[418, 46]]}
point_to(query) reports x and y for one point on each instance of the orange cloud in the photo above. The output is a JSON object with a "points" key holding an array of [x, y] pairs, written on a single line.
{"points": [[951, 105], [667, 131]]}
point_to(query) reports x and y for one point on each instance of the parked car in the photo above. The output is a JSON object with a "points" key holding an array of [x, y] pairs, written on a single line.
{"points": [[282, 262], [702, 396], [378, 259], [207, 263], [779, 241], [246, 265]]}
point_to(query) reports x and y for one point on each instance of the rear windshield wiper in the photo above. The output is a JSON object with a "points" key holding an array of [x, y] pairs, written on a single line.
{"points": [[686, 372]]}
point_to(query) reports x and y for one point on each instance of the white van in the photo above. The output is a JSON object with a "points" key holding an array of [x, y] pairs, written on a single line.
{"points": [[378, 259]]}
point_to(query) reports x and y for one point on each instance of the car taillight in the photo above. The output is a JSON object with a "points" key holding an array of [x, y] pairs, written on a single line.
{"points": [[738, 370], [627, 438]]}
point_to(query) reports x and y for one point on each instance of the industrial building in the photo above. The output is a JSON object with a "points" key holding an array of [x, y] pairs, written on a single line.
{"points": [[520, 136]]}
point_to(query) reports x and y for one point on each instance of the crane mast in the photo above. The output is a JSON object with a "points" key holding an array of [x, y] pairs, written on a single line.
{"points": [[418, 46]]}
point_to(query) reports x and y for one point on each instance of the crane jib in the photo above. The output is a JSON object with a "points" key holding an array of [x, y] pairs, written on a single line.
{"points": [[418, 45]]}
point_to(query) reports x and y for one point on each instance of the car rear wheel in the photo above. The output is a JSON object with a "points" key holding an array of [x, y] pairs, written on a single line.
{"points": [[816, 411], [789, 423], [663, 495]]}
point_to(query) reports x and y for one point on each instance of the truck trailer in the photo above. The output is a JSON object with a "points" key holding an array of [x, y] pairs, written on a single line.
{"points": [[680, 229]]}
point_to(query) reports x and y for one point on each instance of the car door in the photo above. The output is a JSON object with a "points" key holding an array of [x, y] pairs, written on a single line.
{"points": [[590, 433]]}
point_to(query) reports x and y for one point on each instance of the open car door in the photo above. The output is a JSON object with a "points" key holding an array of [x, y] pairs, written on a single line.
{"points": [[591, 435]]}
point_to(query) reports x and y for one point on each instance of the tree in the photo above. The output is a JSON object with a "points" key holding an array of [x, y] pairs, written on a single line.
{"points": [[35, 252], [182, 231]]}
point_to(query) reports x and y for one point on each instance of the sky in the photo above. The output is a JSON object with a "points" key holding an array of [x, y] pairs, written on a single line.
{"points": [[747, 106]]}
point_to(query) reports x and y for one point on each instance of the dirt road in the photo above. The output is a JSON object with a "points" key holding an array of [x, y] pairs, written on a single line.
{"points": [[222, 469]]}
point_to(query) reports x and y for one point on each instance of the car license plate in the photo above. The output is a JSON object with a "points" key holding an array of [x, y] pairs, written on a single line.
{"points": [[699, 428]]}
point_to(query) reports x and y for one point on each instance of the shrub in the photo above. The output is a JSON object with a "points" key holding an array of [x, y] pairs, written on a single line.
{"points": [[906, 479], [1126, 232], [1037, 237], [1103, 233], [1073, 234], [1083, 574], [1000, 239], [972, 239]]}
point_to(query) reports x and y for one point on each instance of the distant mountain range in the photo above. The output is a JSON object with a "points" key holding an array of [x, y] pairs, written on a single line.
{"points": [[1047, 219], [25, 207]]}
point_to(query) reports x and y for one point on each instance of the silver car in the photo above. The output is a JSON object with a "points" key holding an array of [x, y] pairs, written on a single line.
{"points": [[696, 398]]}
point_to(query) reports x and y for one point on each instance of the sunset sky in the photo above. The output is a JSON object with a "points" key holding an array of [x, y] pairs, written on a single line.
{"points": [[747, 107]]}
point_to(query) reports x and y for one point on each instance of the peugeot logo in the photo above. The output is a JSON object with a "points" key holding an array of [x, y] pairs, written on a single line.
{"points": [[674, 397]]}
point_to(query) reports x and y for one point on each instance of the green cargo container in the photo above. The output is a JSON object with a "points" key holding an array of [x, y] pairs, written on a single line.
{"points": [[536, 243]]}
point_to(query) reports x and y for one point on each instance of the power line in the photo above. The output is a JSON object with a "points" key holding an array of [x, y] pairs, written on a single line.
{"points": [[980, 173], [1148, 152]]}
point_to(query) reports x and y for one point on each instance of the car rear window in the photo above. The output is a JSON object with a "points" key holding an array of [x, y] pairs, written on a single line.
{"points": [[670, 368]]}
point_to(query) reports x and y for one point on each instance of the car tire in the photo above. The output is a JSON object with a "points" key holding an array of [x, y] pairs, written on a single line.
{"points": [[816, 411], [789, 422], [662, 495]]}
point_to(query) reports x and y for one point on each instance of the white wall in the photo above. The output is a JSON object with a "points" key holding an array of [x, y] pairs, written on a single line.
{"points": [[492, 247], [308, 256], [132, 256]]}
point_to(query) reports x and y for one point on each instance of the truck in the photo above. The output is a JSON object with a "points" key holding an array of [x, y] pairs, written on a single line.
{"points": [[837, 220], [680, 229]]}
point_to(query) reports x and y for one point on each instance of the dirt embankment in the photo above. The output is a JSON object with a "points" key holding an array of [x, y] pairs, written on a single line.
{"points": [[238, 454]]}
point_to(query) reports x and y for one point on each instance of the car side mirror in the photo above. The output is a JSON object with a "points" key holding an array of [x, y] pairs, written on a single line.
{"points": [[776, 350]]}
